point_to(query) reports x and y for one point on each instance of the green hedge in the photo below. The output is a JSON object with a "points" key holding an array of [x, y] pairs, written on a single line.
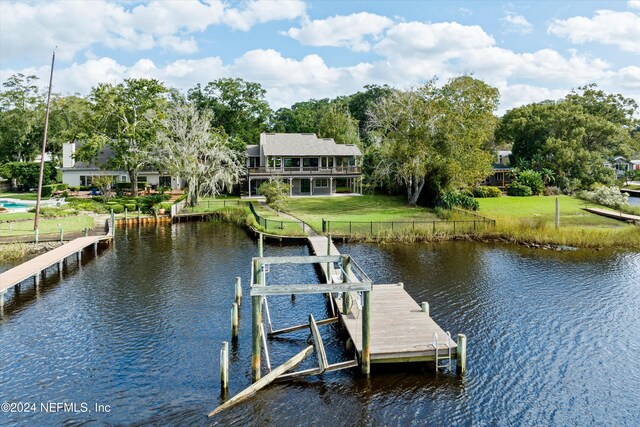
{"points": [[517, 189], [116, 208], [131, 207], [485, 191]]}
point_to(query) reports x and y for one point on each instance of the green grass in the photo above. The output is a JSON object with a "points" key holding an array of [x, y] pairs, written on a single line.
{"points": [[46, 226], [20, 196], [367, 208], [542, 209]]}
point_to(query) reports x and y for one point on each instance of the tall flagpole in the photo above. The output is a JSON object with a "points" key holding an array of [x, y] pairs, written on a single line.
{"points": [[44, 147]]}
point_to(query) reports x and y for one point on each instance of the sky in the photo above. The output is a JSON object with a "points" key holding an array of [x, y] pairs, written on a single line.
{"points": [[298, 50]]}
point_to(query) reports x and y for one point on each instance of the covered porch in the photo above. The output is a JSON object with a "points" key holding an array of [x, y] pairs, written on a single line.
{"points": [[313, 186]]}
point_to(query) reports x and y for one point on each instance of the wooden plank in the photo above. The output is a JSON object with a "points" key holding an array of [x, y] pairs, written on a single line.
{"points": [[342, 365], [308, 289], [317, 338], [299, 327], [264, 381], [300, 374], [34, 266], [300, 259]]}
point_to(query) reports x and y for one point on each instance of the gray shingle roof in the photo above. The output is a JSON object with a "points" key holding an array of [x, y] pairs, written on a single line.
{"points": [[253, 150], [304, 144]]}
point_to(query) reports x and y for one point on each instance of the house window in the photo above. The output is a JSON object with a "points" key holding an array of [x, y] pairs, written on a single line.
{"points": [[291, 162], [165, 181], [86, 180], [310, 162], [275, 162], [254, 162], [322, 183], [327, 162]]}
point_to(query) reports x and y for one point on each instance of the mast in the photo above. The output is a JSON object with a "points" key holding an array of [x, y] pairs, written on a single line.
{"points": [[44, 146]]}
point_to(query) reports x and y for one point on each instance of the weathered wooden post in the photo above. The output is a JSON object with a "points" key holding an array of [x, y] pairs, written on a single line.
{"points": [[126, 211], [238, 291], [234, 321], [425, 307], [557, 212], [366, 337], [79, 257], [329, 279], [61, 234], [138, 215], [346, 297], [260, 246], [2, 299], [462, 353], [256, 317], [35, 237], [224, 367]]}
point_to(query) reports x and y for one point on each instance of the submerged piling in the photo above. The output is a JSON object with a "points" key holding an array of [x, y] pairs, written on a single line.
{"points": [[234, 321], [224, 368], [238, 291], [462, 353]]}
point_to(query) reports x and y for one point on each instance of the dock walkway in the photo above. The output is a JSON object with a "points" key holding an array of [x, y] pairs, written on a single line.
{"points": [[614, 214], [400, 330], [33, 267]]}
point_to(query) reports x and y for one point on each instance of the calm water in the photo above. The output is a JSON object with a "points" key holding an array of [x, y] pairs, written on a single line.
{"points": [[552, 337]]}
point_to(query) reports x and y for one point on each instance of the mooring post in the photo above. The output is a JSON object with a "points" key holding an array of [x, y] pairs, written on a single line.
{"points": [[125, 215], [260, 246], [366, 337], [346, 298], [557, 212], [238, 291], [2, 299], [224, 367], [462, 353], [329, 279], [95, 248], [425, 307], [61, 234], [36, 232], [234, 321], [256, 320], [79, 257], [138, 215], [36, 279]]}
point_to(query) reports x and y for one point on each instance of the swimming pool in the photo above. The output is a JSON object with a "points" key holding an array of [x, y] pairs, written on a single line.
{"points": [[16, 205]]}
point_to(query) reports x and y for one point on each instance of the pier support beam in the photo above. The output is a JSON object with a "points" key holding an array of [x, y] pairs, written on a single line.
{"points": [[234, 321], [365, 361], [256, 320], [238, 291], [462, 353], [224, 368], [346, 297], [2, 299], [425, 307]]}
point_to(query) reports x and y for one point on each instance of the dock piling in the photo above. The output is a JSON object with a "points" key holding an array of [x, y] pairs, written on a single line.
{"points": [[462, 353], [234, 321], [256, 320], [366, 334], [2, 299], [425, 307], [224, 368], [238, 291], [346, 297]]}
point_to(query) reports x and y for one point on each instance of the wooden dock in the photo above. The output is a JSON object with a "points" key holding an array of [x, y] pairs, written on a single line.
{"points": [[33, 267], [615, 215], [400, 330]]}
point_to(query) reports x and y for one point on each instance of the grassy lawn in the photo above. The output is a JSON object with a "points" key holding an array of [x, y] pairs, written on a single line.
{"points": [[20, 196], [356, 208], [541, 208], [211, 204], [47, 226]]}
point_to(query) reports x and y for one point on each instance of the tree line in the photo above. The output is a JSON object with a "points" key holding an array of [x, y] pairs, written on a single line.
{"points": [[425, 141]]}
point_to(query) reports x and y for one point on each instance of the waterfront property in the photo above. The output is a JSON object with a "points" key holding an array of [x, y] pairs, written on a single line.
{"points": [[310, 165], [80, 173], [622, 165]]}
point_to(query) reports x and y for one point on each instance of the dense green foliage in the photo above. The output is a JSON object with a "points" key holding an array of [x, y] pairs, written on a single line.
{"points": [[458, 199], [26, 174], [532, 179], [574, 137], [485, 191], [518, 189], [276, 192]]}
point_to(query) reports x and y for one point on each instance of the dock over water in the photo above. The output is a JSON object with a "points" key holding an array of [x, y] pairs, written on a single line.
{"points": [[400, 330], [33, 267]]}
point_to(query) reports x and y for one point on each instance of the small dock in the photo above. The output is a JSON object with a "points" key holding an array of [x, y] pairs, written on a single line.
{"points": [[401, 330], [615, 215], [35, 266]]}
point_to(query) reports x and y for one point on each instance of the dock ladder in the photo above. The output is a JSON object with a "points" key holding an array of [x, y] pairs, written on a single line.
{"points": [[447, 356]]}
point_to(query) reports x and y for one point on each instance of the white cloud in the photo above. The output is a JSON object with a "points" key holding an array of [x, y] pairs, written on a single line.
{"points": [[348, 31], [620, 29], [259, 11], [76, 25], [516, 24], [634, 4]]}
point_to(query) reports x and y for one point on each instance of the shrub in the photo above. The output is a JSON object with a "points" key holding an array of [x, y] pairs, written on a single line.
{"points": [[457, 199], [62, 187], [531, 179], [552, 191], [87, 205], [65, 194], [47, 190], [276, 192], [607, 196], [116, 208], [517, 189], [485, 191], [131, 207], [54, 212], [98, 199]]}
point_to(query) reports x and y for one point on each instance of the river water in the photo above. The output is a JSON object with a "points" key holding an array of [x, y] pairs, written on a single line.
{"points": [[552, 336]]}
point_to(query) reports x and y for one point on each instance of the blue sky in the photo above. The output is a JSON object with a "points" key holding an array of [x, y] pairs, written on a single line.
{"points": [[298, 50]]}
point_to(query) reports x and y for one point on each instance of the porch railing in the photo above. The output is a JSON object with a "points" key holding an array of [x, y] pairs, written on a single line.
{"points": [[338, 170]]}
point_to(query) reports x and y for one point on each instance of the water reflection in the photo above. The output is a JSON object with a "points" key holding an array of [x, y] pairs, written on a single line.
{"points": [[552, 336]]}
